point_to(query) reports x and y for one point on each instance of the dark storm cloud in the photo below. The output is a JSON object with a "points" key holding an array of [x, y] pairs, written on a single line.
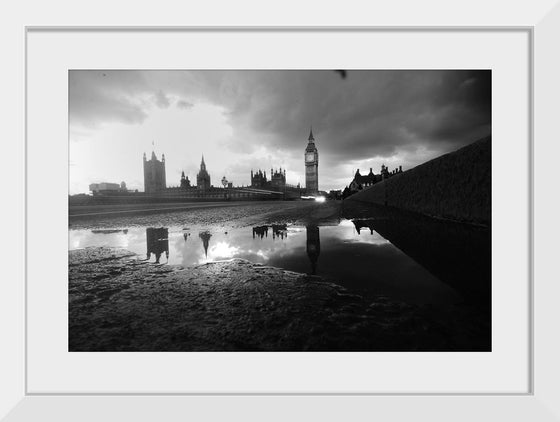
{"points": [[365, 114], [368, 113], [161, 100]]}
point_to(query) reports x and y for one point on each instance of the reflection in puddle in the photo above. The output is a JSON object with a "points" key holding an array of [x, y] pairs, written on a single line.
{"points": [[361, 260], [313, 246], [157, 242], [205, 237], [279, 231], [360, 224], [260, 231]]}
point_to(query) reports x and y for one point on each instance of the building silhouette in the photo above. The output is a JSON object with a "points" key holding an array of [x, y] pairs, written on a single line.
{"points": [[154, 174], [155, 185], [258, 179], [311, 166], [203, 178], [277, 179], [107, 188], [185, 182], [364, 181], [360, 182]]}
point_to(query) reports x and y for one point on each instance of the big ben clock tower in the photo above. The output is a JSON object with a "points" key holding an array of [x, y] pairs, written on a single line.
{"points": [[311, 166]]}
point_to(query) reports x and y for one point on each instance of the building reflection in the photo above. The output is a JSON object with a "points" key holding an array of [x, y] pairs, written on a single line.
{"points": [[205, 236], [279, 230], [260, 231], [157, 241], [360, 224], [313, 246]]}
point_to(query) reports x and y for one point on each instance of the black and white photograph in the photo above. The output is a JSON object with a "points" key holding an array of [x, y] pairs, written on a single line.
{"points": [[280, 210]]}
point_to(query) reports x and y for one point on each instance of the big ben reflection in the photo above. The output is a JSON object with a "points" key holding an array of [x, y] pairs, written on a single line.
{"points": [[313, 246]]}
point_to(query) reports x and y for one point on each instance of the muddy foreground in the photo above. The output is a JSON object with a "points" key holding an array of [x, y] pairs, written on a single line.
{"points": [[118, 303]]}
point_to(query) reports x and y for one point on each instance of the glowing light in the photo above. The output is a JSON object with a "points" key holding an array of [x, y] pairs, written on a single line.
{"points": [[320, 199], [223, 250]]}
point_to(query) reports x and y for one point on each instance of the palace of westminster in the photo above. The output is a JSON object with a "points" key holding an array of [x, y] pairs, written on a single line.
{"points": [[155, 183]]}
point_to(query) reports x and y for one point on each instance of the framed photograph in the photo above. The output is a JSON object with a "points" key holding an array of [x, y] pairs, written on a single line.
{"points": [[309, 215]]}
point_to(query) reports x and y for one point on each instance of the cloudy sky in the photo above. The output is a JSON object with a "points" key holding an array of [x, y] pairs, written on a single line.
{"points": [[242, 120]]}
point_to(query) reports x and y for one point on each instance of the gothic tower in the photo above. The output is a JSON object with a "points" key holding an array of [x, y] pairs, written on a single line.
{"points": [[203, 178], [311, 166], [154, 174], [185, 182]]}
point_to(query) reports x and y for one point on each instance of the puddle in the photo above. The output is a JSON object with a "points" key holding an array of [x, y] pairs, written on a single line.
{"points": [[350, 254]]}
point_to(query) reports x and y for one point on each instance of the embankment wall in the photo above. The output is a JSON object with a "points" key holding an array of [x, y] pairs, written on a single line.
{"points": [[455, 186]]}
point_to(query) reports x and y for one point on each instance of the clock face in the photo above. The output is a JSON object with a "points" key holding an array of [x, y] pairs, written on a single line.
{"points": [[309, 157]]}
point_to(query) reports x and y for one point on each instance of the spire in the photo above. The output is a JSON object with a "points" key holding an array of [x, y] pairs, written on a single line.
{"points": [[153, 157], [311, 138], [202, 163]]}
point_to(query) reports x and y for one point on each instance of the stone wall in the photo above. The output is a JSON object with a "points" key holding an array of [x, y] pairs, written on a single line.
{"points": [[455, 185]]}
